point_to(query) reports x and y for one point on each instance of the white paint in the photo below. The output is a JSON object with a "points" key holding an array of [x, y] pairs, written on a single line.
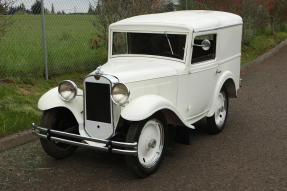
{"points": [[144, 107], [195, 20], [52, 99], [189, 90], [139, 68]]}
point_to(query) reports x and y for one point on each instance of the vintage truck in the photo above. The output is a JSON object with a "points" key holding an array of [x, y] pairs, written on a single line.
{"points": [[167, 69]]}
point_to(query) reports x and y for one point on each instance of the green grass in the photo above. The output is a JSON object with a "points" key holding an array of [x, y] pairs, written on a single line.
{"points": [[68, 40], [260, 44], [18, 101]]}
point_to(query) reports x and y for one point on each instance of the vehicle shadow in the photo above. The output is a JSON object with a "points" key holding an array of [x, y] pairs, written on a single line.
{"points": [[90, 163]]}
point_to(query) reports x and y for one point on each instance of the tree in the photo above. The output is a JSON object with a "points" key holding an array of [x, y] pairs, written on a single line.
{"points": [[169, 6], [276, 12], [53, 9], [4, 4], [91, 9], [254, 15], [5, 20], [109, 11], [21, 9], [36, 7], [3, 9]]}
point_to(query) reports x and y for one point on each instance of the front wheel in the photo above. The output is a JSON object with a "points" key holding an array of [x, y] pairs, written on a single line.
{"points": [[216, 123], [150, 136], [61, 120]]}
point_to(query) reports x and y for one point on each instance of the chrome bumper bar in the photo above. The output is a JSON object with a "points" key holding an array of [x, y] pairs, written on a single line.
{"points": [[60, 136]]}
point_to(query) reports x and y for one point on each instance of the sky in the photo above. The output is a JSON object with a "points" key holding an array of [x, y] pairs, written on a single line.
{"points": [[69, 6]]}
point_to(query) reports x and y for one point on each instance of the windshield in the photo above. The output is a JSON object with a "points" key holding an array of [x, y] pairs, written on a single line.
{"points": [[168, 45]]}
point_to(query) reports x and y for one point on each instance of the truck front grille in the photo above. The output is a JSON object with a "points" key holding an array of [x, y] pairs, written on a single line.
{"points": [[98, 102]]}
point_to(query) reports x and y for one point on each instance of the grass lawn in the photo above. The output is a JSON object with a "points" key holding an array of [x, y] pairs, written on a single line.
{"points": [[68, 41], [18, 97], [259, 45], [18, 101]]}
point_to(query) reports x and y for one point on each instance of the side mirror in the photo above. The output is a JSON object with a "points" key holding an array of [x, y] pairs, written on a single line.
{"points": [[205, 45]]}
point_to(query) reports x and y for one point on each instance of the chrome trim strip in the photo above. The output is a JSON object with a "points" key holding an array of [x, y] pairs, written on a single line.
{"points": [[74, 143], [111, 146]]}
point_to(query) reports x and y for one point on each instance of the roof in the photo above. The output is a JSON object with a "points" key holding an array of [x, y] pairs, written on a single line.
{"points": [[195, 20]]}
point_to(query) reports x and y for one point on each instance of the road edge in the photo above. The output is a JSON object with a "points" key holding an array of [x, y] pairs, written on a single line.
{"points": [[24, 137], [265, 56], [17, 139]]}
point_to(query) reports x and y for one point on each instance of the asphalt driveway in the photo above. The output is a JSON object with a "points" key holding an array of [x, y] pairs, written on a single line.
{"points": [[251, 154]]}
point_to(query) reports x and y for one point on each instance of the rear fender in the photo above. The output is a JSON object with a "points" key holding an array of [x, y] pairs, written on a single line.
{"points": [[222, 79]]}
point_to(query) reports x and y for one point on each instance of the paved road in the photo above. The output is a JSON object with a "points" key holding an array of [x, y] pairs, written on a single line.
{"points": [[251, 154]]}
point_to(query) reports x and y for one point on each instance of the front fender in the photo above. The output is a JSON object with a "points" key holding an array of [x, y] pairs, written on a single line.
{"points": [[143, 107], [222, 79], [52, 99]]}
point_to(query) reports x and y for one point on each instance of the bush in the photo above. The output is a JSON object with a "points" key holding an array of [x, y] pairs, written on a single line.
{"points": [[281, 36]]}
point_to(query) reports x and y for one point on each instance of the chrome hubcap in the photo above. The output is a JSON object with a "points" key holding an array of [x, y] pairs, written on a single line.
{"points": [[221, 111], [151, 142]]}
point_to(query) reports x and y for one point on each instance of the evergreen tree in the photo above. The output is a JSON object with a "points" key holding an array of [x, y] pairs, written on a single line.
{"points": [[3, 9], [91, 9], [36, 7], [169, 6], [53, 9]]}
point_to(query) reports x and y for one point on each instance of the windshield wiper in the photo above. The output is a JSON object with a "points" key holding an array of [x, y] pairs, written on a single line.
{"points": [[170, 47]]}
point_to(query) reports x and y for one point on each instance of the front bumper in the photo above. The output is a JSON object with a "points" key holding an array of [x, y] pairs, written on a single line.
{"points": [[77, 140]]}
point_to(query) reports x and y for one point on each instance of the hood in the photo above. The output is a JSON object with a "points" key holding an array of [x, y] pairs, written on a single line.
{"points": [[132, 69]]}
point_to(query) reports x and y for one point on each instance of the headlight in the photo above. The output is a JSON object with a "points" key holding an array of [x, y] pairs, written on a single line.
{"points": [[67, 90], [120, 94]]}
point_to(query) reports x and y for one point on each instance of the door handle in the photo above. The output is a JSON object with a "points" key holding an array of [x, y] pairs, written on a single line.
{"points": [[218, 71]]}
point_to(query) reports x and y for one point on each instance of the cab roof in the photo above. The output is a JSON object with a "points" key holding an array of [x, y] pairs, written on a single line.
{"points": [[195, 20]]}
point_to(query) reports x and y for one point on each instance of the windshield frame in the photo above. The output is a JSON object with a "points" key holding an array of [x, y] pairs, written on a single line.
{"points": [[146, 55]]}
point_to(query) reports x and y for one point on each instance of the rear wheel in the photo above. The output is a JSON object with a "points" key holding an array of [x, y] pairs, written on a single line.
{"points": [[61, 120], [216, 123], [151, 138]]}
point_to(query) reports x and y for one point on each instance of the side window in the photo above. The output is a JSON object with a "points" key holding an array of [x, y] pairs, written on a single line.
{"points": [[199, 54]]}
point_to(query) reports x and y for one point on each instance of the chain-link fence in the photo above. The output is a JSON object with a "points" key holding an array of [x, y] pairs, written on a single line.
{"points": [[74, 40], [70, 36]]}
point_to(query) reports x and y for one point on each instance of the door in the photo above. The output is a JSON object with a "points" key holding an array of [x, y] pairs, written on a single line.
{"points": [[198, 85]]}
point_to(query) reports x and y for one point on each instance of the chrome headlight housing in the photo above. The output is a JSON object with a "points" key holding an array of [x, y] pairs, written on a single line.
{"points": [[120, 94], [67, 90]]}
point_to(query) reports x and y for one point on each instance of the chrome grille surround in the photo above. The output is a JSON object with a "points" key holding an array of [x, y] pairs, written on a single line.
{"points": [[106, 130]]}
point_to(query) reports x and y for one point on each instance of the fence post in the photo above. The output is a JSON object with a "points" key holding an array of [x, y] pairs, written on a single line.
{"points": [[44, 40]]}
